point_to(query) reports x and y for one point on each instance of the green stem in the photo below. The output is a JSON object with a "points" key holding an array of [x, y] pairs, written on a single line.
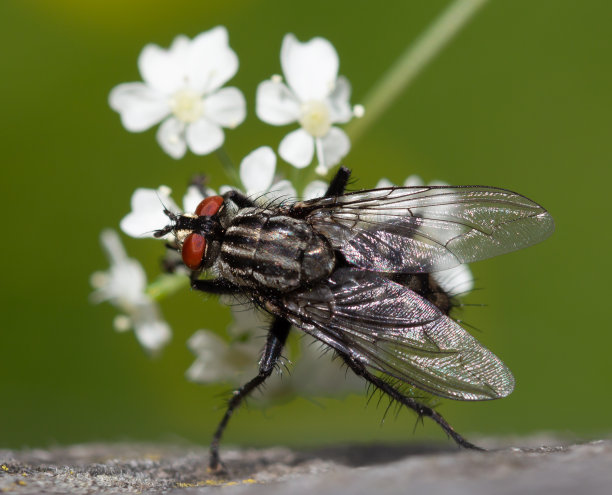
{"points": [[166, 285], [296, 179], [410, 64], [231, 172]]}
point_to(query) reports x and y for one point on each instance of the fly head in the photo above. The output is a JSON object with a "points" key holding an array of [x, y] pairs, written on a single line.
{"points": [[196, 235]]}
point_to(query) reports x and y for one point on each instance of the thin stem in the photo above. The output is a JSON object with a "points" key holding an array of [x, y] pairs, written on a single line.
{"points": [[228, 166], [167, 284], [411, 63], [295, 178]]}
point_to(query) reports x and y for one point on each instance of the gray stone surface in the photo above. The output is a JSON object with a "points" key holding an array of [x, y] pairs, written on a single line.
{"points": [[374, 470]]}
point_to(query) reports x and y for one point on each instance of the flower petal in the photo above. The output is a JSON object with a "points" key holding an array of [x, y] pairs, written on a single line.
{"points": [[276, 104], [339, 102], [179, 48], [192, 199], [316, 189], [171, 138], [245, 320], [147, 213], [216, 360], [257, 170], [384, 182], [225, 188], [139, 106], [297, 148], [124, 283], [151, 331], [281, 191], [226, 107], [334, 147], [314, 376], [203, 137], [311, 68], [111, 243], [438, 183], [413, 181], [455, 281], [211, 62], [164, 70]]}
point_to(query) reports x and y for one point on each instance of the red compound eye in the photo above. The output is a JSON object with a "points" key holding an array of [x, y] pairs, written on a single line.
{"points": [[209, 206], [193, 250]]}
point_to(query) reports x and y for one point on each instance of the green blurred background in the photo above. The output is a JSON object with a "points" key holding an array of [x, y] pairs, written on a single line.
{"points": [[520, 99]]}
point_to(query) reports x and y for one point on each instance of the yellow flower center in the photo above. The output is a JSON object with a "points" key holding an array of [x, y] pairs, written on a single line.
{"points": [[187, 105], [315, 118]]}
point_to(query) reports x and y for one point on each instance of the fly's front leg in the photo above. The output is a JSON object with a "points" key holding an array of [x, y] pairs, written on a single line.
{"points": [[200, 181], [277, 337], [419, 408], [240, 199], [338, 183], [217, 286]]}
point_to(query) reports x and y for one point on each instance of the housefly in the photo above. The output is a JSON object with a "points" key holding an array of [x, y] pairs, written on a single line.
{"points": [[352, 270]]}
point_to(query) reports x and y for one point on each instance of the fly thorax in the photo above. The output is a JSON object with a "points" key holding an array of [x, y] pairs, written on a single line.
{"points": [[261, 249]]}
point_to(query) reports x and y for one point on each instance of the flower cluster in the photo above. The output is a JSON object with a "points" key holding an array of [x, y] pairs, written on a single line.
{"points": [[183, 89], [257, 172], [124, 286]]}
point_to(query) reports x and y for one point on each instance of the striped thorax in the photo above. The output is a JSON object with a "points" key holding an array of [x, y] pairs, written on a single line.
{"points": [[263, 249]]}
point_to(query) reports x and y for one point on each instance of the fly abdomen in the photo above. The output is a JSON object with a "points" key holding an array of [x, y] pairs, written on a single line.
{"points": [[260, 249]]}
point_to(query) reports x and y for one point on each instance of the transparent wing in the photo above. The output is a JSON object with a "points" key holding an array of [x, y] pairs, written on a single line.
{"points": [[425, 229], [391, 329]]}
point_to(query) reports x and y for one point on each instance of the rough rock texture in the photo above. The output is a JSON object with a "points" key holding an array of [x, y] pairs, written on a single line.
{"points": [[374, 470]]}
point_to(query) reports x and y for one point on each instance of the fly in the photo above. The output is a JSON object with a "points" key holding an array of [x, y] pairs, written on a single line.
{"points": [[352, 270]]}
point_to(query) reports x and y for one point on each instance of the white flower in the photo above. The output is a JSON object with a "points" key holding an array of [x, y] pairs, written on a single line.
{"points": [[123, 285], [454, 281], [234, 362], [315, 374], [148, 205], [315, 97], [182, 88]]}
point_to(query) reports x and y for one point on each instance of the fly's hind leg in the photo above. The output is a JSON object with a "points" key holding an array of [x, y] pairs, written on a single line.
{"points": [[421, 409], [275, 341]]}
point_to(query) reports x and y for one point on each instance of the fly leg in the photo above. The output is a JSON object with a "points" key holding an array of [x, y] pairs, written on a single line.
{"points": [[240, 199], [217, 286], [338, 183], [200, 181], [420, 409], [274, 345]]}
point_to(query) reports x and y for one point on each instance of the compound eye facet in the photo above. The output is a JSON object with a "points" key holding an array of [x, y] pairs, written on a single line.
{"points": [[209, 206], [193, 250]]}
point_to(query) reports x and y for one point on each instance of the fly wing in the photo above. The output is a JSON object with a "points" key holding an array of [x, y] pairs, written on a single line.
{"points": [[425, 229], [391, 329]]}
